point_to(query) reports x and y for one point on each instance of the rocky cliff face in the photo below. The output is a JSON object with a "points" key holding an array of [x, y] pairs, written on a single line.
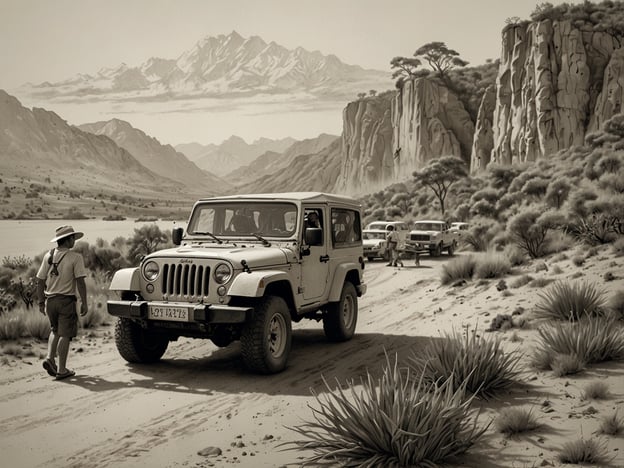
{"points": [[388, 137], [556, 83], [483, 140]]}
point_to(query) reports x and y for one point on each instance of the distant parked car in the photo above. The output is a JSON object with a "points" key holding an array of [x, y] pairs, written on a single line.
{"points": [[399, 226], [458, 227], [433, 236], [374, 243]]}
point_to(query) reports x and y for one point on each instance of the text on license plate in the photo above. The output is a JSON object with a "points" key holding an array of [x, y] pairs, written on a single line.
{"points": [[175, 314]]}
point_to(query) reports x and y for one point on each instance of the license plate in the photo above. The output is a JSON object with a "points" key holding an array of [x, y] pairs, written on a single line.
{"points": [[174, 314]]}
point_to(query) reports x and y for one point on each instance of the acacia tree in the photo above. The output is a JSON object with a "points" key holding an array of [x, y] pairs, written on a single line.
{"points": [[439, 57], [406, 68], [440, 174]]}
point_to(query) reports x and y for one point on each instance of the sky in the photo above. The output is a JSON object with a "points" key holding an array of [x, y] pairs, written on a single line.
{"points": [[51, 40]]}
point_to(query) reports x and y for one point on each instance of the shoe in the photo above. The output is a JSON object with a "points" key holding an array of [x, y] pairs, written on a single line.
{"points": [[389, 264], [50, 367], [64, 375]]}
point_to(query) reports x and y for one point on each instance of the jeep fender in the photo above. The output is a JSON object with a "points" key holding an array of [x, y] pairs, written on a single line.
{"points": [[339, 279], [126, 279], [255, 283]]}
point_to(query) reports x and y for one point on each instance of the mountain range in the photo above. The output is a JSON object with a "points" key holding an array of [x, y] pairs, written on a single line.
{"points": [[219, 66]]}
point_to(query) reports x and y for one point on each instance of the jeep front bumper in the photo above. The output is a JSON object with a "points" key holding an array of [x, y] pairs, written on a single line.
{"points": [[198, 313]]}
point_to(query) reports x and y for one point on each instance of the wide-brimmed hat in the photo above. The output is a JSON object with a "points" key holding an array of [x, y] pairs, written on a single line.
{"points": [[66, 231]]}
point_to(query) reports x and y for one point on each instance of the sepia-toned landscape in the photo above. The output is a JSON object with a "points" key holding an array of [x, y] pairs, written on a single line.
{"points": [[504, 348]]}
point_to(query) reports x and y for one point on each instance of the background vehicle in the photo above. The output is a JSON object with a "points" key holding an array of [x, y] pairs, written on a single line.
{"points": [[433, 236], [399, 226], [247, 267], [374, 243], [458, 227]]}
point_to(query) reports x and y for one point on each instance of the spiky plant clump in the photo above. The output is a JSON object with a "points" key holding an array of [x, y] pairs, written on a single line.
{"points": [[459, 268], [492, 265], [597, 390], [591, 340], [395, 420], [11, 326], [611, 425], [570, 301], [513, 421], [480, 364], [580, 451], [36, 324], [567, 364]]}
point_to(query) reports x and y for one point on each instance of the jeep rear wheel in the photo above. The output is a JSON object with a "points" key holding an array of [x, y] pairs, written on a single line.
{"points": [[267, 336], [136, 344], [341, 317]]}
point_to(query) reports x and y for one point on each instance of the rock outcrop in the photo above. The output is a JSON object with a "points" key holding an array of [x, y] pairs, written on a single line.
{"points": [[428, 121], [556, 82], [483, 141]]}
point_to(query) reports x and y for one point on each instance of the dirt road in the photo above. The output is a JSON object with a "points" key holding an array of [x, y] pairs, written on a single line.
{"points": [[116, 414]]}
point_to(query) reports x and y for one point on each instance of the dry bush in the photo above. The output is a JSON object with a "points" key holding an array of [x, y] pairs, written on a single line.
{"points": [[36, 324], [592, 451], [11, 326], [567, 364], [521, 281], [515, 255], [616, 305], [570, 301], [458, 268], [492, 265], [540, 282], [512, 421], [480, 364], [395, 420], [596, 390], [611, 425]]}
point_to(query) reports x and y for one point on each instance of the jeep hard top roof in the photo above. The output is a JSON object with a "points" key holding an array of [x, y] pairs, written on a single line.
{"points": [[314, 197]]}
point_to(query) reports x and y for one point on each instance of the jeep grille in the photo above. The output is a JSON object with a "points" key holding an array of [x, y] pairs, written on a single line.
{"points": [[419, 237], [188, 281]]}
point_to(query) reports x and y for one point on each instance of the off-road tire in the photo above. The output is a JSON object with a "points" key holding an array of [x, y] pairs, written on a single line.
{"points": [[451, 248], [436, 251], [341, 317], [135, 344], [267, 336]]}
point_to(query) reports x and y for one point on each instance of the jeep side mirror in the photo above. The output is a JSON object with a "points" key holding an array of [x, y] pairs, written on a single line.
{"points": [[176, 235], [314, 236]]}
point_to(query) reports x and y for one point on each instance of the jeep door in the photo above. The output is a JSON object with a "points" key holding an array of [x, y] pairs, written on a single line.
{"points": [[315, 265]]}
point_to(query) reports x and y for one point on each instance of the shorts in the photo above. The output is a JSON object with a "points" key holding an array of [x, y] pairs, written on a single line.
{"points": [[61, 311]]}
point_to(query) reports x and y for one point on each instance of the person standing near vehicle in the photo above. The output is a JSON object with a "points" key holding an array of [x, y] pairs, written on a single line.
{"points": [[392, 241], [61, 273]]}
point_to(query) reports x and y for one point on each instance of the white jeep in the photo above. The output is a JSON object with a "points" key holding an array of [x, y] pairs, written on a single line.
{"points": [[247, 266], [433, 236]]}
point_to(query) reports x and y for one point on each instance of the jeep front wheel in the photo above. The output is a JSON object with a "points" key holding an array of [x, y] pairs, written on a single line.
{"points": [[341, 317], [267, 336], [136, 344]]}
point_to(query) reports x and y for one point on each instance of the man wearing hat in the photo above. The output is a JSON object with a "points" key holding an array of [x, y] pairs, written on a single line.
{"points": [[61, 273]]}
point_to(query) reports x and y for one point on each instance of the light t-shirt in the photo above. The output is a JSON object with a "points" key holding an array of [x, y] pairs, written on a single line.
{"points": [[70, 267]]}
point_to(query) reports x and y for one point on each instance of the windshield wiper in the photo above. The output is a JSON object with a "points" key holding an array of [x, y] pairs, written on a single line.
{"points": [[260, 238], [206, 233]]}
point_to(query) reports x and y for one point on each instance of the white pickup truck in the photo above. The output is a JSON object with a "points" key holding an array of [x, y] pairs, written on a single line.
{"points": [[431, 236]]}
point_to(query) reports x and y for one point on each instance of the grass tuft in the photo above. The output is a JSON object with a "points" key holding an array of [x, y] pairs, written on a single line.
{"points": [[458, 268], [480, 364], [567, 364], [596, 390], [395, 420], [570, 301], [611, 425], [492, 265], [11, 326], [512, 421], [581, 451], [590, 340]]}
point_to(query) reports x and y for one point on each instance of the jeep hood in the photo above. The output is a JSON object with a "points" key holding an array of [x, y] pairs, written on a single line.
{"points": [[256, 255]]}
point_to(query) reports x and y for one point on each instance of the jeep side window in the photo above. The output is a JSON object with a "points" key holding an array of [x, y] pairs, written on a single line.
{"points": [[313, 218], [345, 227]]}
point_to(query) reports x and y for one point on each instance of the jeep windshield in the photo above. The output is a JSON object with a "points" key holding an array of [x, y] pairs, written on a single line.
{"points": [[243, 219], [428, 227]]}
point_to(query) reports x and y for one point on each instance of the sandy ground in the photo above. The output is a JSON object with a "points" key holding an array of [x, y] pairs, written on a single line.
{"points": [[121, 415]]}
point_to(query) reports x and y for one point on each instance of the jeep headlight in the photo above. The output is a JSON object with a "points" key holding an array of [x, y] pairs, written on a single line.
{"points": [[222, 273], [151, 271]]}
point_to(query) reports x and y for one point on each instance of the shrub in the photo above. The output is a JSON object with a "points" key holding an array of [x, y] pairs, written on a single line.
{"points": [[540, 282], [458, 268], [515, 256], [611, 425], [36, 324], [591, 340], [618, 246], [596, 390], [582, 451], [579, 261], [527, 233], [566, 364], [480, 364], [481, 233], [513, 421], [395, 420], [492, 265], [570, 301], [11, 327]]}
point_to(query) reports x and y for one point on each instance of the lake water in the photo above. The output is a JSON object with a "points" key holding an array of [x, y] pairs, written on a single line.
{"points": [[32, 237]]}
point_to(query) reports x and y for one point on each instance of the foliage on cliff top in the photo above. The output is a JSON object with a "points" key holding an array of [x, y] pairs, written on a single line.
{"points": [[604, 16]]}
